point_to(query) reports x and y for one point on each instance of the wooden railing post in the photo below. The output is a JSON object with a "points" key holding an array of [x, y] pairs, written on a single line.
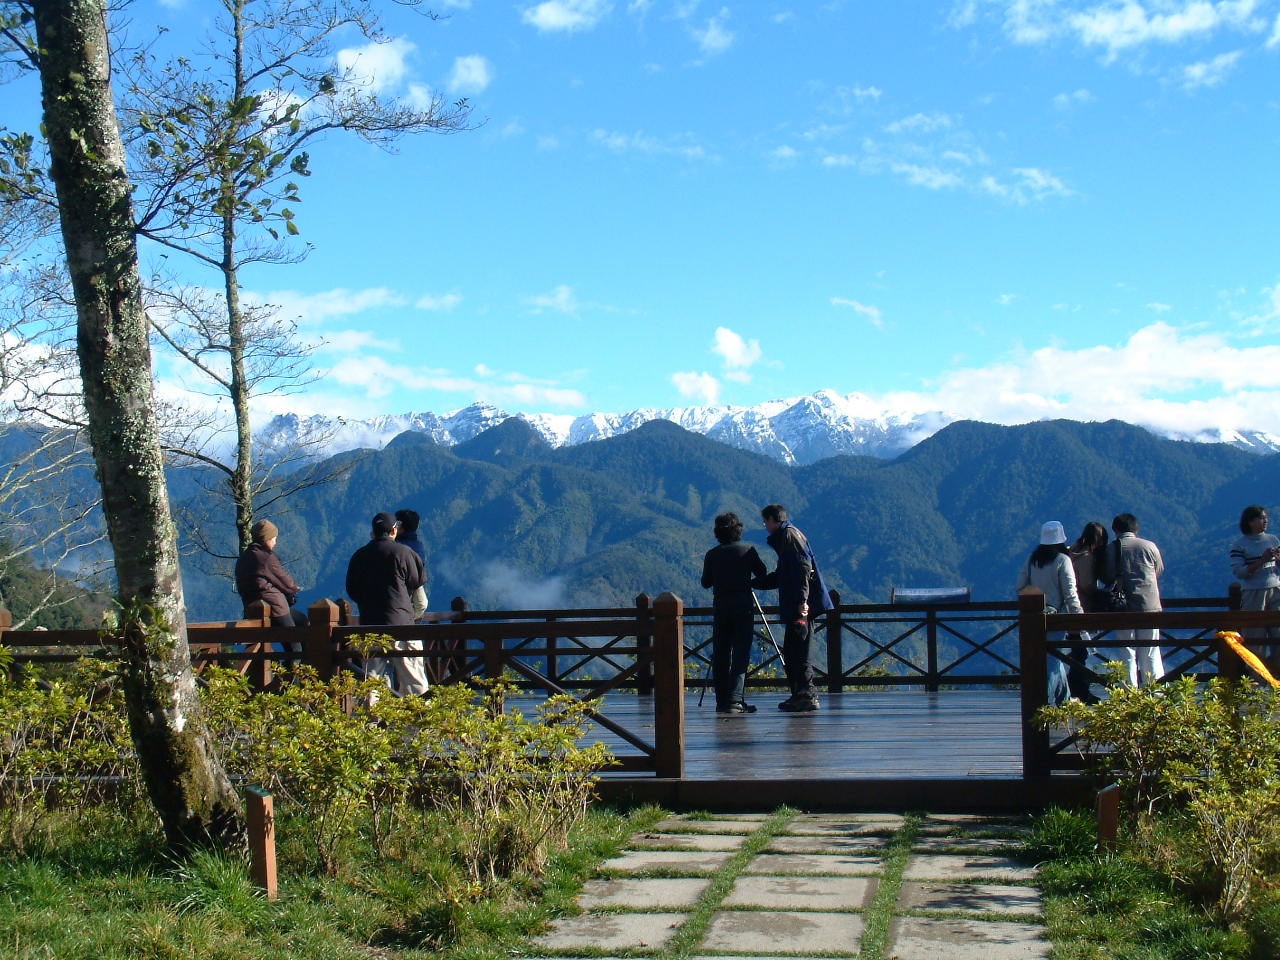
{"points": [[668, 702], [835, 646], [1108, 810], [553, 662], [493, 657], [260, 822], [259, 671], [1230, 666], [931, 642], [322, 619], [6, 621], [1035, 680], [644, 618]]}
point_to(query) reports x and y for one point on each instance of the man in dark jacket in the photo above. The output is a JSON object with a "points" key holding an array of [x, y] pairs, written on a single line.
{"points": [[261, 576], [407, 533], [802, 595], [381, 578]]}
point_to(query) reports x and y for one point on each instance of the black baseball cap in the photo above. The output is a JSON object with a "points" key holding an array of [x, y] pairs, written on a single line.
{"points": [[384, 523]]}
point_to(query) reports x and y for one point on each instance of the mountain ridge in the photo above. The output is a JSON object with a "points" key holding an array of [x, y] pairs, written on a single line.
{"points": [[796, 431]]}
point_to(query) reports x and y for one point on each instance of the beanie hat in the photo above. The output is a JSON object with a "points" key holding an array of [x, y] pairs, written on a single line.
{"points": [[263, 530]]}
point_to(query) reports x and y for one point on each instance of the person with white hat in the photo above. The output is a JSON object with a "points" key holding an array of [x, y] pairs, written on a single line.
{"points": [[1049, 570]]}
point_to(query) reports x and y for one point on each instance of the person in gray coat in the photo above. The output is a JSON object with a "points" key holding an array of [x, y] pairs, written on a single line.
{"points": [[1136, 566]]}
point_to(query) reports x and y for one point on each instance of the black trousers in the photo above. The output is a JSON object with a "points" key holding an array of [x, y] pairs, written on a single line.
{"points": [[797, 641], [731, 653]]}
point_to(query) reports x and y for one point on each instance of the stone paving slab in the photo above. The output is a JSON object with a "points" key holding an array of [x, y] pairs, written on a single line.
{"points": [[852, 845], [783, 932], [616, 931], [803, 893], [725, 825], [672, 893], [936, 828], [842, 828], [809, 863], [922, 938], [894, 818], [686, 841], [966, 844], [685, 861], [966, 867], [970, 897]]}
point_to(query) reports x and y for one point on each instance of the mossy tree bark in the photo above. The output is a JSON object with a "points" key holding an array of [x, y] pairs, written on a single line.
{"points": [[191, 791]]}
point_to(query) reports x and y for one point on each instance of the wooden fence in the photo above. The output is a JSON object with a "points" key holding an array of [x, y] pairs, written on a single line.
{"points": [[656, 649]]}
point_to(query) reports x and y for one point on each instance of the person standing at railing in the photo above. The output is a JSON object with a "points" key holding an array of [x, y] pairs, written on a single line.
{"points": [[1135, 566], [1049, 570], [261, 576], [728, 570], [407, 526], [802, 595], [1253, 561], [381, 578], [1087, 556]]}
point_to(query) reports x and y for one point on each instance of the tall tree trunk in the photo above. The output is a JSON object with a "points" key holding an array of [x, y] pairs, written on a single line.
{"points": [[191, 791]]}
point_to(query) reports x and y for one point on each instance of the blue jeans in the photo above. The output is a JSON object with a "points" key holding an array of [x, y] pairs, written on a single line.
{"points": [[1057, 670]]}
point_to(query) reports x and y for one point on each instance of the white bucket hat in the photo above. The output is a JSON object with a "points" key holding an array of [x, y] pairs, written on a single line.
{"points": [[1052, 533]]}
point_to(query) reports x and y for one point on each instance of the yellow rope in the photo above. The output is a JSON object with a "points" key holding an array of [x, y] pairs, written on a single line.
{"points": [[1248, 656]]}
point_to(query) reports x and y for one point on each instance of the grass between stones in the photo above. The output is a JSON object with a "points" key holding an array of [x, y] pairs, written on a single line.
{"points": [[876, 921], [693, 929]]}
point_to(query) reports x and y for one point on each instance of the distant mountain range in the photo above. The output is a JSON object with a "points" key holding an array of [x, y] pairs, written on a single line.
{"points": [[510, 521], [796, 431]]}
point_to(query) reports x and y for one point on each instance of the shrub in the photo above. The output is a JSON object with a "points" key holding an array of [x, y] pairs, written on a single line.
{"points": [[63, 742], [1207, 754], [515, 785]]}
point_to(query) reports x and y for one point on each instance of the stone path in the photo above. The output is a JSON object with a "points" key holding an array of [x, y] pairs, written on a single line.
{"points": [[875, 886]]}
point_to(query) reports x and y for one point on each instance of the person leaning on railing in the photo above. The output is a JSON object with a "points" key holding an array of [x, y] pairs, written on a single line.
{"points": [[1253, 561], [261, 576]]}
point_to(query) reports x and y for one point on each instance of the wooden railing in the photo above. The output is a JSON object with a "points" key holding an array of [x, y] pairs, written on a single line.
{"points": [[1186, 631], [643, 646]]}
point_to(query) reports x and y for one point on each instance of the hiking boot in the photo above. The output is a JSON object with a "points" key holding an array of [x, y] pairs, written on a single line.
{"points": [[799, 704], [739, 707]]}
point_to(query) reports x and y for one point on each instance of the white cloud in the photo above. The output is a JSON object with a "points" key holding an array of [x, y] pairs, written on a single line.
{"points": [[714, 37], [1156, 307], [839, 160], [921, 123], [378, 378], [737, 353], [471, 74], [702, 387], [1161, 377], [567, 15], [1115, 25], [378, 66], [1029, 183], [640, 142], [1210, 73], [873, 314], [784, 152], [1273, 41], [548, 143], [1005, 299], [314, 308], [442, 303], [1065, 101], [559, 300]]}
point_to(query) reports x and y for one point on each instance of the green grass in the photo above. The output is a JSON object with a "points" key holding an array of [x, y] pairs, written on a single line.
{"points": [[1114, 907], [101, 890]]}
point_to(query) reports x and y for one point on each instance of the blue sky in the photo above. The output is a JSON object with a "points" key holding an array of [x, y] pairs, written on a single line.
{"points": [[1004, 209]]}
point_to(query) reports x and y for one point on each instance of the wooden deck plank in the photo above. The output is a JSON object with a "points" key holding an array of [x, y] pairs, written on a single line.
{"points": [[889, 734]]}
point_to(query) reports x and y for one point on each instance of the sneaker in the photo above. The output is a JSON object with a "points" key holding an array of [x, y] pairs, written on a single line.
{"points": [[799, 704], [738, 707]]}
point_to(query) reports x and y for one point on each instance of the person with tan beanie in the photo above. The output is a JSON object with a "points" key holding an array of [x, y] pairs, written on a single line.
{"points": [[261, 576]]}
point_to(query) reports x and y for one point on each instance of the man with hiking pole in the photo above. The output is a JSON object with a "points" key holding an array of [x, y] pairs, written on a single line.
{"points": [[729, 570], [802, 595]]}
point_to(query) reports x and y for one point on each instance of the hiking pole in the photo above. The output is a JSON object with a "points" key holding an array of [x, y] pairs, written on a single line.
{"points": [[767, 628]]}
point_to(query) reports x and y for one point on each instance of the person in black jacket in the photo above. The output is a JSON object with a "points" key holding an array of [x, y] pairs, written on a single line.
{"points": [[802, 595], [728, 571], [381, 578], [261, 576]]}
